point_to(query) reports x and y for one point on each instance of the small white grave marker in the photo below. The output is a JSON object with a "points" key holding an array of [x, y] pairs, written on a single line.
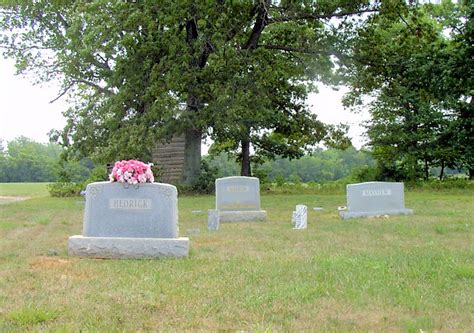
{"points": [[301, 217]]}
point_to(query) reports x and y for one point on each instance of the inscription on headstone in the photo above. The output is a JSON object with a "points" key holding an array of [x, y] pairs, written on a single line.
{"points": [[130, 203]]}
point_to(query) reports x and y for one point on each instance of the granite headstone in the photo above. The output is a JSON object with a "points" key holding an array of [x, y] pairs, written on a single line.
{"points": [[375, 198], [238, 199], [126, 221]]}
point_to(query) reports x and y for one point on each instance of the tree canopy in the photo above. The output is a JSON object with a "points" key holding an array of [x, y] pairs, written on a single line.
{"points": [[241, 68], [415, 73]]}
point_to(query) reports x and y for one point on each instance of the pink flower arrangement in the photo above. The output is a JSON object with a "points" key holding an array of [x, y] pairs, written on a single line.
{"points": [[132, 172]]}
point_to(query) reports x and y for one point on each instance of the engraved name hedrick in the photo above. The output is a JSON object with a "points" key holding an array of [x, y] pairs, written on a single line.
{"points": [[130, 203], [376, 193]]}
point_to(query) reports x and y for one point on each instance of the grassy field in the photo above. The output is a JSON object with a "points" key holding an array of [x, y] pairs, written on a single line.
{"points": [[408, 273]]}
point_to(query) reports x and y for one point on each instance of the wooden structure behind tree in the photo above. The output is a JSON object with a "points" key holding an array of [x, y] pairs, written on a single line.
{"points": [[170, 158]]}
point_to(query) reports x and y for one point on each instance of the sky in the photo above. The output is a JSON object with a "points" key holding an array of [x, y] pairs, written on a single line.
{"points": [[25, 109]]}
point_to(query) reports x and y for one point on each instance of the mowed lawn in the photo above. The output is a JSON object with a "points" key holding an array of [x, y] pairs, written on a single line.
{"points": [[408, 273]]}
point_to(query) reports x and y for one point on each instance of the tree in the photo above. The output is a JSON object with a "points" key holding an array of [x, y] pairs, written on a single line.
{"points": [[410, 69], [24, 160], [129, 66], [27, 161]]}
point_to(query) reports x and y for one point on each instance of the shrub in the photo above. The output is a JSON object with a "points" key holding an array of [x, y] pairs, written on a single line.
{"points": [[280, 180], [366, 174], [65, 189]]}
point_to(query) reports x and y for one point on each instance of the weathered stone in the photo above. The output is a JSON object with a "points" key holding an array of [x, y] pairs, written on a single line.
{"points": [[374, 198], [238, 199], [115, 210], [213, 220], [118, 216], [301, 217], [127, 247]]}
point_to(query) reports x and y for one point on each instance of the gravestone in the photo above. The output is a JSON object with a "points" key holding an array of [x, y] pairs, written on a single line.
{"points": [[238, 199], [374, 198], [213, 220], [126, 221], [301, 217]]}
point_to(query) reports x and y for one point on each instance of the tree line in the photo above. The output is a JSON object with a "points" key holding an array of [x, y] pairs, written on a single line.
{"points": [[24, 160], [321, 165]]}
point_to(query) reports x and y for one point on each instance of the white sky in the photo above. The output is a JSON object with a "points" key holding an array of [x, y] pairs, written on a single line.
{"points": [[25, 109]]}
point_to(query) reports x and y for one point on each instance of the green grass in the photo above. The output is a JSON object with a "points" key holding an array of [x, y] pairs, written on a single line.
{"points": [[406, 273], [23, 189]]}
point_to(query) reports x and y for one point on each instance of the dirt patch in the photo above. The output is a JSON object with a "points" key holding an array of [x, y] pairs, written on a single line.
{"points": [[49, 263], [4, 200]]}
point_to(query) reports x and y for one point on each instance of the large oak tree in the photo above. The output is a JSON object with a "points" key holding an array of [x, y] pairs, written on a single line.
{"points": [[241, 68]]}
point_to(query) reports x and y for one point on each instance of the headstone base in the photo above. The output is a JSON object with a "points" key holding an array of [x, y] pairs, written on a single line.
{"points": [[345, 214], [243, 216], [127, 248]]}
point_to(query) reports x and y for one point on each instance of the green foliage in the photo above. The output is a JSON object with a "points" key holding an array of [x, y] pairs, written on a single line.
{"points": [[417, 70], [65, 189], [205, 183], [243, 69], [262, 173], [27, 161], [207, 178], [438, 185], [366, 174], [30, 316], [279, 180], [320, 166], [224, 163], [98, 174]]}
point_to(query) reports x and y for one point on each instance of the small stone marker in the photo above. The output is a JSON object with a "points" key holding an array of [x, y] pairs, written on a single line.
{"points": [[213, 220], [238, 199], [193, 231], [130, 222], [301, 217], [373, 199]]}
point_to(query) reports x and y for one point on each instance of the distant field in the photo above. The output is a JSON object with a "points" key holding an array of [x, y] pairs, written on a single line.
{"points": [[23, 189], [407, 273]]}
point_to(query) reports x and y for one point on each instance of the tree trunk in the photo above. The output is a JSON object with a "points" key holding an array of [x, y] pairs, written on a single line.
{"points": [[471, 174], [245, 170], [427, 170], [441, 172], [192, 156], [192, 145]]}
